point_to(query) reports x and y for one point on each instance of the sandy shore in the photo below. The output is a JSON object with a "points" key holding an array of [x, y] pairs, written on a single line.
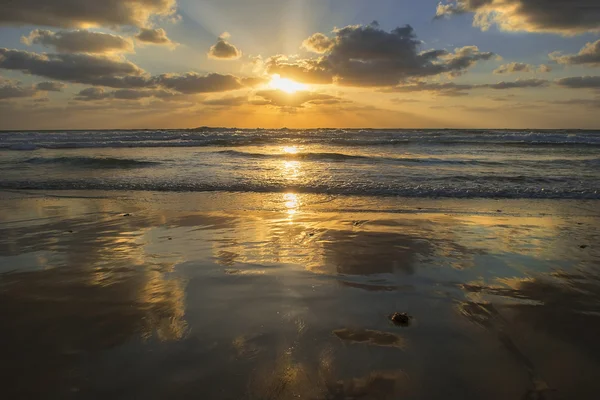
{"points": [[284, 296]]}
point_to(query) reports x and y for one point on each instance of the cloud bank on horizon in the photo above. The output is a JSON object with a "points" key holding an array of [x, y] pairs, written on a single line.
{"points": [[156, 63]]}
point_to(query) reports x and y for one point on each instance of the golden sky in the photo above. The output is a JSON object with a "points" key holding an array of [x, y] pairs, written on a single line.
{"points": [[299, 63]]}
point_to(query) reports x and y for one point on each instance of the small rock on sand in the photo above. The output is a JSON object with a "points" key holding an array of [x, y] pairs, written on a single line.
{"points": [[401, 319], [583, 246], [127, 215]]}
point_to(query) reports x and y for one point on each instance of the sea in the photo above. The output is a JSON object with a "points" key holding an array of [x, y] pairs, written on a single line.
{"points": [[286, 264], [514, 164]]}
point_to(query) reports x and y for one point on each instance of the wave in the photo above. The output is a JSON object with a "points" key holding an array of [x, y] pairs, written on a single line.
{"points": [[33, 140], [296, 156], [417, 191], [91, 162], [354, 157]]}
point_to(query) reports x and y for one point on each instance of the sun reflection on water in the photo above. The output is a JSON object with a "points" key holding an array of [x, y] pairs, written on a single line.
{"points": [[292, 203], [291, 169], [290, 149]]}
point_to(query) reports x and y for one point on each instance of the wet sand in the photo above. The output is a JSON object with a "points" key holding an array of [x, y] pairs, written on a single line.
{"points": [[285, 296]]}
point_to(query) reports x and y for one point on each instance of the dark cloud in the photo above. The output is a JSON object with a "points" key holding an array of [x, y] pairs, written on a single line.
{"points": [[78, 68], [10, 89], [580, 82], [135, 94], [444, 89], [13, 90], [154, 36], [279, 98], [455, 89], [566, 17], [518, 84], [81, 13], [95, 94], [115, 72], [588, 55], [92, 93], [227, 101], [404, 101], [369, 56], [50, 86], [195, 83], [590, 103], [223, 50], [79, 41]]}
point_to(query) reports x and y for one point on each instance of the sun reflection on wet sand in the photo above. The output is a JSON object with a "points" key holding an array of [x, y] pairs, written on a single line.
{"points": [[281, 301], [292, 204]]}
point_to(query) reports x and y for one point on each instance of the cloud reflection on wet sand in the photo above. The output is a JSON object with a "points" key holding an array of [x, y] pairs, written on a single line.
{"points": [[170, 301]]}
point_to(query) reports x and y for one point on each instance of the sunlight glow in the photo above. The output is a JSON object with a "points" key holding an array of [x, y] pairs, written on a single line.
{"points": [[290, 149], [285, 84], [291, 203]]}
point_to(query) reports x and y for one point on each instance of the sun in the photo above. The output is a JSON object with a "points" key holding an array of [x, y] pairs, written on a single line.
{"points": [[285, 84]]}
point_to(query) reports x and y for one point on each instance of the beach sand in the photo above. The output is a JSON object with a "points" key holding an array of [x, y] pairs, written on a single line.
{"points": [[286, 296]]}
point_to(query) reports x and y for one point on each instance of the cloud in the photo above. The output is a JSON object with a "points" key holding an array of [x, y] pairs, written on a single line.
{"points": [[369, 56], [455, 89], [13, 90], [444, 89], [227, 101], [135, 94], [194, 83], [591, 103], [10, 89], [83, 13], [543, 68], [588, 55], [154, 36], [78, 68], [279, 98], [580, 82], [318, 43], [518, 84], [116, 73], [50, 86], [404, 101], [306, 71], [96, 94], [516, 67], [79, 41], [513, 68], [92, 93], [223, 50], [565, 17]]}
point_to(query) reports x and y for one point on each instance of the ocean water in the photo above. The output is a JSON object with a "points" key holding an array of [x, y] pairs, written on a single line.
{"points": [[256, 264], [410, 163]]}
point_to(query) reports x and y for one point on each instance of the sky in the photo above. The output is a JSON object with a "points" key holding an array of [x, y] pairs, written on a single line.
{"points": [[129, 64]]}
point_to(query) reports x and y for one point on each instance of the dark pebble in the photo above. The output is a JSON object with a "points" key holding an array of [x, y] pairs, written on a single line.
{"points": [[583, 246], [498, 210], [70, 231], [401, 319], [170, 238], [127, 215]]}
